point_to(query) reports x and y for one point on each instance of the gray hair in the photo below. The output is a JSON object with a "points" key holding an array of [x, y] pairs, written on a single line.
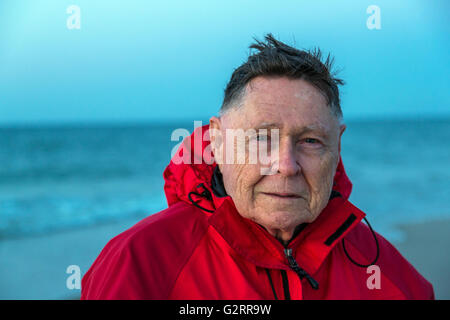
{"points": [[274, 58]]}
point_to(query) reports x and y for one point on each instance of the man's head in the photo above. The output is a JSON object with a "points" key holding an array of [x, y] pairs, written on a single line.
{"points": [[291, 90]]}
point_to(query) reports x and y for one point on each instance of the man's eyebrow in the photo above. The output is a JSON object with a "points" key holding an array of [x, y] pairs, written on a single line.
{"points": [[315, 128], [304, 129], [268, 125]]}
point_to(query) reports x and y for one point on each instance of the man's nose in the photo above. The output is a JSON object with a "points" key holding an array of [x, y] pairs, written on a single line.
{"points": [[287, 161]]}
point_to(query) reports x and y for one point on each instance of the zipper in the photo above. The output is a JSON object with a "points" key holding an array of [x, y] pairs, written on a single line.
{"points": [[299, 271]]}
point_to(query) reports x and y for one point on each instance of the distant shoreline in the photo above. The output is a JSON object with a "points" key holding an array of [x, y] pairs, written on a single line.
{"points": [[130, 123]]}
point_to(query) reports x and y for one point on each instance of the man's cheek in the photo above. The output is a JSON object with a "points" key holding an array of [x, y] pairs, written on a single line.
{"points": [[320, 174], [316, 168], [239, 180], [327, 164]]}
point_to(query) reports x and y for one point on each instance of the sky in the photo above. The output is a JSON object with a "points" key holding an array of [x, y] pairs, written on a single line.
{"points": [[140, 60]]}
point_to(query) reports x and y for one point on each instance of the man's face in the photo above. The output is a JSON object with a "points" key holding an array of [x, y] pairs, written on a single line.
{"points": [[306, 158]]}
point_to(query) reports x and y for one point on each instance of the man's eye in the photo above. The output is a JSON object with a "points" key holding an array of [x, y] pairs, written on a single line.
{"points": [[261, 137], [311, 140]]}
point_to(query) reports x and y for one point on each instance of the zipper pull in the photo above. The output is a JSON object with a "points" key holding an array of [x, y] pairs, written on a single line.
{"points": [[300, 272]]}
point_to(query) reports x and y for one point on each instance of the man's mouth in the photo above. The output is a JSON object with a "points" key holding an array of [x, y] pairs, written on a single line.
{"points": [[283, 195]]}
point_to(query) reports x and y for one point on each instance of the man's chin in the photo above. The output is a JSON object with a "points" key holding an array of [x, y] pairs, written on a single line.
{"points": [[286, 221], [291, 216]]}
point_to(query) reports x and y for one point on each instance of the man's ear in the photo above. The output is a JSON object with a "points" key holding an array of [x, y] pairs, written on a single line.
{"points": [[215, 135], [342, 128]]}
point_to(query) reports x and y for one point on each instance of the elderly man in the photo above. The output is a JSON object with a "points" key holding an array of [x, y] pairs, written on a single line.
{"points": [[282, 229]]}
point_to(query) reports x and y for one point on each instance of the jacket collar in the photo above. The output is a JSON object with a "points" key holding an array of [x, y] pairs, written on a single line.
{"points": [[200, 183]]}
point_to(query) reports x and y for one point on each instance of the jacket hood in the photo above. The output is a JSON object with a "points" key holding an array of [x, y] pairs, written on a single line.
{"points": [[194, 173]]}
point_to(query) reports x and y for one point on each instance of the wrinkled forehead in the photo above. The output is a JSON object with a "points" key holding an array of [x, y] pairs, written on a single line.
{"points": [[282, 90], [289, 105]]}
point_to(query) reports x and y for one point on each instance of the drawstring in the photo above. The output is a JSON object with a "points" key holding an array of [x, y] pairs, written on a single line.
{"points": [[205, 194], [376, 242], [335, 194], [271, 284]]}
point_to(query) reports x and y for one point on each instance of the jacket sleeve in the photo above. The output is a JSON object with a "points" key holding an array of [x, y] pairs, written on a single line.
{"points": [[119, 273], [401, 279], [144, 261]]}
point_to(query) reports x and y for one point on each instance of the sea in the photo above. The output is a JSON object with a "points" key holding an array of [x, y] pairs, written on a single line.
{"points": [[57, 178]]}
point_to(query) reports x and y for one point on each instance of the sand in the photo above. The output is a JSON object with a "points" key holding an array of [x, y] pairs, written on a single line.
{"points": [[35, 267], [426, 247]]}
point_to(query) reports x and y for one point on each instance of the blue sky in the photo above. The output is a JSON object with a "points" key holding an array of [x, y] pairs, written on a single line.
{"points": [[169, 60]]}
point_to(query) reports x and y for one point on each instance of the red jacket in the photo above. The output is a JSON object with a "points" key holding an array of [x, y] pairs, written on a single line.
{"points": [[201, 248]]}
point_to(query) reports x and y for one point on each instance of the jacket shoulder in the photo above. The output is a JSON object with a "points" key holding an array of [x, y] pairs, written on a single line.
{"points": [[144, 261], [392, 264]]}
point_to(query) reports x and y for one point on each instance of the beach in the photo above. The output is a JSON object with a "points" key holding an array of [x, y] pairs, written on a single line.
{"points": [[35, 267], [426, 247]]}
